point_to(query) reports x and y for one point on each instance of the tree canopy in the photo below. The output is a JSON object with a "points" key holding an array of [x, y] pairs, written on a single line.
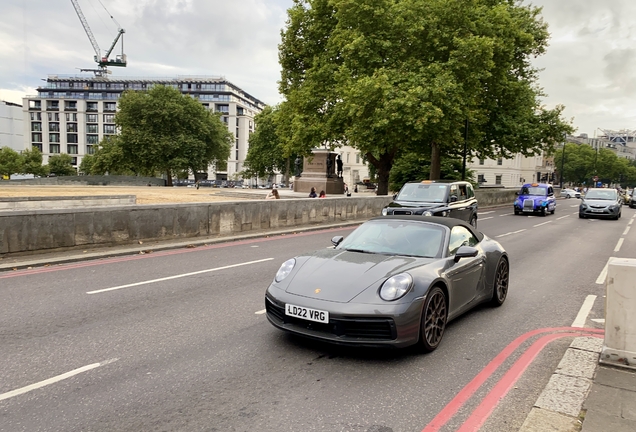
{"points": [[11, 162], [391, 77], [165, 131], [581, 162], [61, 165], [265, 154]]}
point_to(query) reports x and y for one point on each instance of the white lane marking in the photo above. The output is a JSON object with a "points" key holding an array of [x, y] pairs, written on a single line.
{"points": [[563, 217], [506, 214], [584, 311], [630, 221], [53, 380], [619, 244], [574, 205], [483, 219], [260, 312], [543, 223], [598, 320], [626, 230], [513, 232], [601, 277], [634, 216], [177, 276], [575, 213], [254, 246], [484, 213]]}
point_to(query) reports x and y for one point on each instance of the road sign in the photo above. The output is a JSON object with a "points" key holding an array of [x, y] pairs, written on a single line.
{"points": [[595, 178]]}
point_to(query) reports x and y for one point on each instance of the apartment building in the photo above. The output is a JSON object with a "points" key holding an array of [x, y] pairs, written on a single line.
{"points": [[72, 114], [11, 126], [513, 172]]}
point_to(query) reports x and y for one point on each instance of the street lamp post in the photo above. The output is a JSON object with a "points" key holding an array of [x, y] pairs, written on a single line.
{"points": [[562, 163]]}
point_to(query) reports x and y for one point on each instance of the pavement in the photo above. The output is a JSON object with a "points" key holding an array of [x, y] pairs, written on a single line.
{"points": [[581, 395], [585, 396]]}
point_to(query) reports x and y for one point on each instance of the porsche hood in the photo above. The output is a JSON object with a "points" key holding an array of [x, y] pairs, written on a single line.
{"points": [[340, 276]]}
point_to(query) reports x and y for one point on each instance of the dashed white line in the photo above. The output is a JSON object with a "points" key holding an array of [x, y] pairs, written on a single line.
{"points": [[575, 213], [563, 217], [483, 219], [260, 312], [53, 380], [574, 205], [506, 214], [584, 311], [634, 216], [601, 278], [619, 244], [626, 230], [598, 320], [485, 213], [513, 232], [544, 223], [177, 276], [630, 222]]}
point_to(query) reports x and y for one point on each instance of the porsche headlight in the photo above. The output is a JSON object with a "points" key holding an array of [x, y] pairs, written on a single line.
{"points": [[385, 211], [427, 213], [285, 269], [396, 286]]}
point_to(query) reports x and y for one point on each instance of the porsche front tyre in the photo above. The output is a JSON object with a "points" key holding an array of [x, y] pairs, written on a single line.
{"points": [[500, 284], [434, 317]]}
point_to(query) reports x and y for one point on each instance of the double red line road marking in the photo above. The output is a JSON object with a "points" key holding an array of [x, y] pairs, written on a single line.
{"points": [[480, 414]]}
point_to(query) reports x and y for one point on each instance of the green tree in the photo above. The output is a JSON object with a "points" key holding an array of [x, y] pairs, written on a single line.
{"points": [[61, 165], [163, 130], [109, 158], [11, 162], [33, 163], [267, 154], [415, 167], [394, 76], [86, 166]]}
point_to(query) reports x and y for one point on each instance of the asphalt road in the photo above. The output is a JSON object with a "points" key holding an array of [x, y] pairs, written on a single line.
{"points": [[193, 353]]}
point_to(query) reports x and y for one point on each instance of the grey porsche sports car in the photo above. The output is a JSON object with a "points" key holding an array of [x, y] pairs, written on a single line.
{"points": [[394, 281]]}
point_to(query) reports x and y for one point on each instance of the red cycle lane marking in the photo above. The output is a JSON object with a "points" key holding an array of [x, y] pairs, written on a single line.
{"points": [[492, 399], [100, 261], [466, 393]]}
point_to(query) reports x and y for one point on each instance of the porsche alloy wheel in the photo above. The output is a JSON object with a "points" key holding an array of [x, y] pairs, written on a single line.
{"points": [[433, 320], [500, 286]]}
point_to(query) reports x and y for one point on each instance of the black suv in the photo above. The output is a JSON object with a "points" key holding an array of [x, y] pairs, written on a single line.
{"points": [[454, 199]]}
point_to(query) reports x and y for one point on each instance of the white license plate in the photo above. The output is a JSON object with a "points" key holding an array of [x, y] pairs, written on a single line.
{"points": [[597, 211], [528, 210], [307, 313]]}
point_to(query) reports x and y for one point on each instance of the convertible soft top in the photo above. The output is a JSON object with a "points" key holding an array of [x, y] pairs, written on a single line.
{"points": [[447, 222]]}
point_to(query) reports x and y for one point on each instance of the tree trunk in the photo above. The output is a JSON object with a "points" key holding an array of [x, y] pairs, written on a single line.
{"points": [[287, 167], [168, 177], [436, 162], [383, 166]]}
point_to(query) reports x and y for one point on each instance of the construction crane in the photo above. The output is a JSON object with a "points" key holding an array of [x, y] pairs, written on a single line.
{"points": [[102, 60]]}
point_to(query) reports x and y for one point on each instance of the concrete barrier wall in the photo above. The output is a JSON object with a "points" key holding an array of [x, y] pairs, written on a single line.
{"points": [[494, 197], [65, 202], [22, 231]]}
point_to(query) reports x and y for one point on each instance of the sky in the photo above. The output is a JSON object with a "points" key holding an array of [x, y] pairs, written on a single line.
{"points": [[589, 67]]}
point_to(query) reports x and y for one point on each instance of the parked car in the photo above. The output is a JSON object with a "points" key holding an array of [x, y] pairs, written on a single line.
{"points": [[632, 202], [394, 281], [535, 198], [601, 202], [455, 199], [569, 193]]}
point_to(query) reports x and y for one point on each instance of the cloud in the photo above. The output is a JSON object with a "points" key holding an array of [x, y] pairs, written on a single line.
{"points": [[589, 66]]}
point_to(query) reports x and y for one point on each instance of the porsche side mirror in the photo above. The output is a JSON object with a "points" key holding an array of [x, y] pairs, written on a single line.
{"points": [[465, 252], [336, 240]]}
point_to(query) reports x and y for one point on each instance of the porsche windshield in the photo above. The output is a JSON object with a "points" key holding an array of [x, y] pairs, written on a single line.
{"points": [[422, 192], [396, 237], [602, 194], [534, 190]]}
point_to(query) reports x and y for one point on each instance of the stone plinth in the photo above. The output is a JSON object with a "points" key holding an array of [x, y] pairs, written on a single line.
{"points": [[315, 175]]}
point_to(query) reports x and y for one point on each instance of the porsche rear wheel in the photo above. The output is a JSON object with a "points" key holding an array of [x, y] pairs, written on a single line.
{"points": [[434, 319], [500, 285]]}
